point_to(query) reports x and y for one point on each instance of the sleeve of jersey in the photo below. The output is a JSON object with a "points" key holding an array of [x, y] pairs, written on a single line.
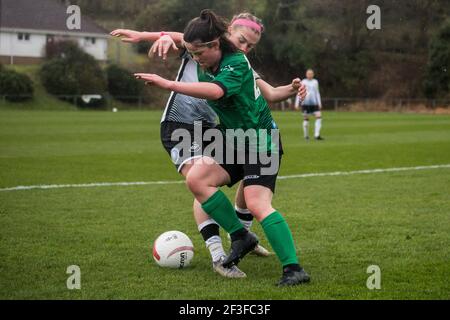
{"points": [[184, 54], [256, 75], [230, 78], [319, 100]]}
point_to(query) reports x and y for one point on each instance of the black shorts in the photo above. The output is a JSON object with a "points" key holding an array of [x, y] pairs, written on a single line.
{"points": [[176, 148], [262, 172], [310, 109], [251, 174]]}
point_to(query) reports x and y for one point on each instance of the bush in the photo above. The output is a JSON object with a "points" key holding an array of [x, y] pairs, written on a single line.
{"points": [[72, 72], [173, 15], [122, 85], [15, 86], [437, 79]]}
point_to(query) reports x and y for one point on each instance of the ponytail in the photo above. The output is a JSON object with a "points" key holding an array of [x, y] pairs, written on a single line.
{"points": [[209, 27]]}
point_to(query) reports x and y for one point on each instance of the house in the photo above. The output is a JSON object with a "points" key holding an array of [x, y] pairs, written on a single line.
{"points": [[26, 26]]}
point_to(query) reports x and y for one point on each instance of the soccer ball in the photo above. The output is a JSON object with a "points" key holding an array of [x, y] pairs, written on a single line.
{"points": [[173, 249]]}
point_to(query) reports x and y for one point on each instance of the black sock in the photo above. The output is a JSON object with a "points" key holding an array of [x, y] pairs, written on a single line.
{"points": [[291, 268], [241, 233], [209, 231], [244, 216]]}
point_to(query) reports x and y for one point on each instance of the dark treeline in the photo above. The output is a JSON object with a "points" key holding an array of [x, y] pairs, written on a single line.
{"points": [[408, 58]]}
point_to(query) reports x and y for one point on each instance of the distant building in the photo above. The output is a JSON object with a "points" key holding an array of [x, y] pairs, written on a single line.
{"points": [[26, 26]]}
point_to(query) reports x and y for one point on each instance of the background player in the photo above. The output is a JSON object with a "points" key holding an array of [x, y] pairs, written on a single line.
{"points": [[311, 105]]}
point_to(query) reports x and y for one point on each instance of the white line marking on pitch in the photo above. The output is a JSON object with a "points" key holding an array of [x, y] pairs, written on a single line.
{"points": [[146, 183]]}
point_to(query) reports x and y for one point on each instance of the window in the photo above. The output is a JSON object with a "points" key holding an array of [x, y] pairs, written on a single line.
{"points": [[23, 36], [89, 40]]}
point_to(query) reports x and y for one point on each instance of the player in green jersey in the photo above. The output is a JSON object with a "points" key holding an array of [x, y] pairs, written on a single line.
{"points": [[231, 91], [244, 31]]}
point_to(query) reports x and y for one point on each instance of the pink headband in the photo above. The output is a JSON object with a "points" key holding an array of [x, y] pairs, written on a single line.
{"points": [[247, 23]]}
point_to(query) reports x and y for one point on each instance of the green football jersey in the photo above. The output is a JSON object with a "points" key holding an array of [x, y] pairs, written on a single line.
{"points": [[242, 106]]}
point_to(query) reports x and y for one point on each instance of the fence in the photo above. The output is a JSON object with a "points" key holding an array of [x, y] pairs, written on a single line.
{"points": [[102, 102], [336, 103], [343, 104]]}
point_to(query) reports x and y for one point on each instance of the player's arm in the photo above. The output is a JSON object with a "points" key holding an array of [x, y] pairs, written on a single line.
{"points": [[227, 83], [281, 93], [277, 94], [163, 41], [136, 36], [319, 100], [202, 90]]}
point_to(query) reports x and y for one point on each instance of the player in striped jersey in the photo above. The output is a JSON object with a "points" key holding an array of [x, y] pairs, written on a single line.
{"points": [[182, 111], [228, 84]]}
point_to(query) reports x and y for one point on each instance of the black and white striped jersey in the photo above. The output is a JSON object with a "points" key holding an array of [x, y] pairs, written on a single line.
{"points": [[186, 109]]}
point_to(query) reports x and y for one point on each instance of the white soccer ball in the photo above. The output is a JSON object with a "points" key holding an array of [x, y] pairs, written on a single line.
{"points": [[173, 249]]}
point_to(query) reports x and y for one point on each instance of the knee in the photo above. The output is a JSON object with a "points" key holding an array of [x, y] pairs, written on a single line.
{"points": [[255, 206], [194, 182]]}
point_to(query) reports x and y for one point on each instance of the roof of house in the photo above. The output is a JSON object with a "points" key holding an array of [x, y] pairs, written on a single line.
{"points": [[49, 15]]}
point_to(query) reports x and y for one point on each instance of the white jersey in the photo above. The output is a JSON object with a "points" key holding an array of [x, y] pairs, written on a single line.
{"points": [[313, 93], [185, 109]]}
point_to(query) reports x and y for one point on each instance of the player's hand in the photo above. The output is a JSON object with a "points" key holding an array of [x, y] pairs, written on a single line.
{"points": [[302, 92], [154, 80], [296, 83], [162, 46], [127, 35]]}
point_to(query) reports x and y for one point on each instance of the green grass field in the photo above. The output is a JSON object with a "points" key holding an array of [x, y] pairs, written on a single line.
{"points": [[342, 224]]}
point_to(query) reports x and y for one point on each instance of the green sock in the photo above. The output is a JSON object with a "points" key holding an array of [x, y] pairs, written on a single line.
{"points": [[220, 209], [280, 237]]}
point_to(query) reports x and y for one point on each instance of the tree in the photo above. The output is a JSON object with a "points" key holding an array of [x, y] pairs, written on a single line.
{"points": [[174, 15], [437, 80], [122, 85], [71, 71], [15, 86]]}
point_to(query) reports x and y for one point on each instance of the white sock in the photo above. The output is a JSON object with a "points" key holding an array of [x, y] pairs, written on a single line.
{"points": [[214, 245], [247, 223], [317, 127], [305, 128]]}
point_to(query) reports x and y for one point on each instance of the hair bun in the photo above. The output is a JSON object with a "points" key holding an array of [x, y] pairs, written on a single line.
{"points": [[205, 14]]}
